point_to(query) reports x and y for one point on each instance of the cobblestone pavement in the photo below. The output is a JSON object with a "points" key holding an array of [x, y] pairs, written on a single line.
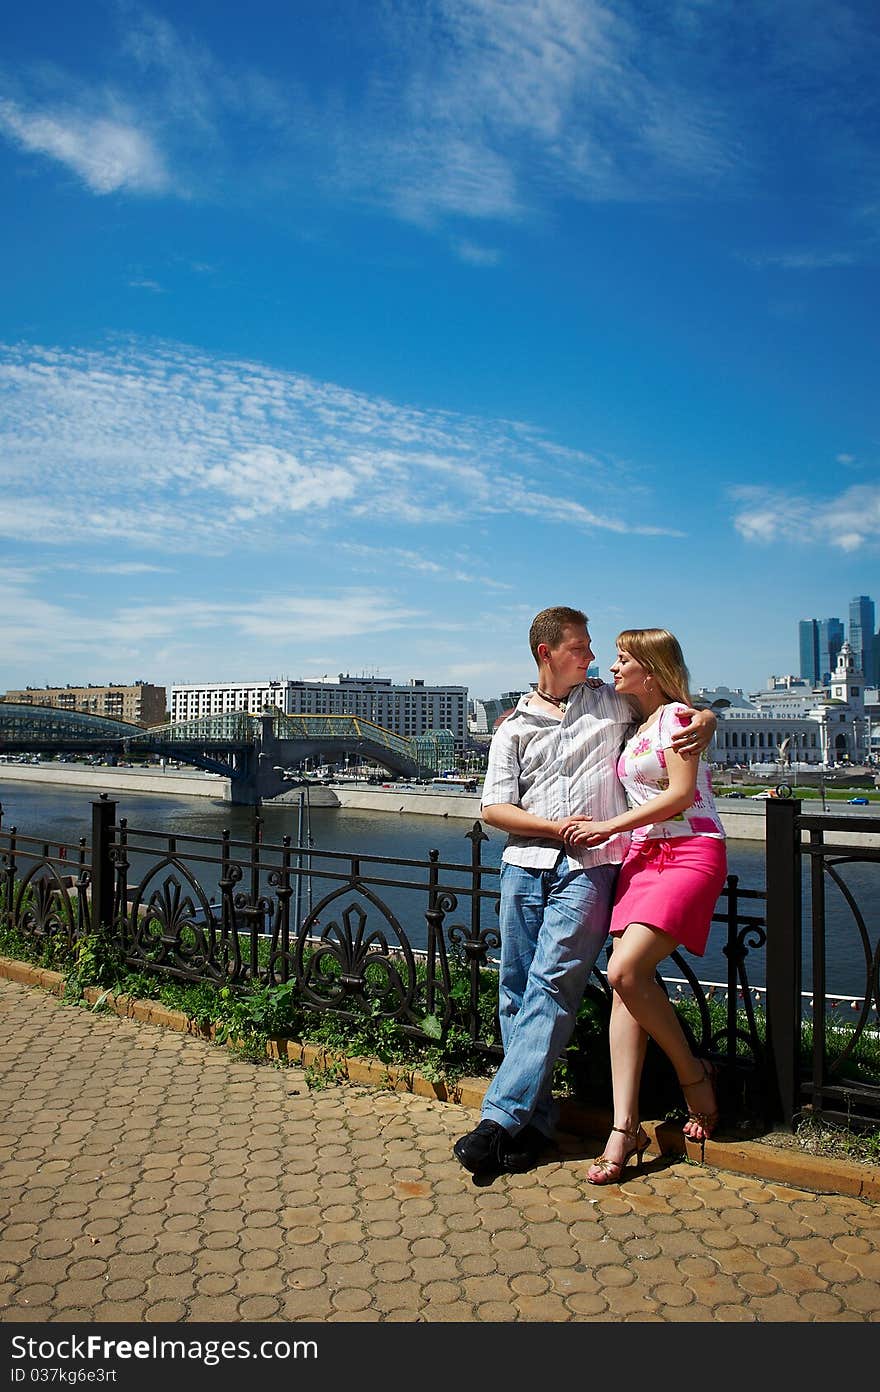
{"points": [[150, 1176]]}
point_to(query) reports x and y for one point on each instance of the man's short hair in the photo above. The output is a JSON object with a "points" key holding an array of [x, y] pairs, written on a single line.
{"points": [[549, 626]]}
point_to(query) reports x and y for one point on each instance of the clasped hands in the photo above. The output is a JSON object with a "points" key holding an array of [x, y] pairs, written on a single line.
{"points": [[583, 831]]}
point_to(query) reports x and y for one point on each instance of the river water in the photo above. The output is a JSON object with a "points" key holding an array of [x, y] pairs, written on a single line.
{"points": [[61, 816]]}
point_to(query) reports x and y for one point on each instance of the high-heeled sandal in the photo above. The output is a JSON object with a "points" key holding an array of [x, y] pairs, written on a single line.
{"points": [[707, 1121], [611, 1171]]}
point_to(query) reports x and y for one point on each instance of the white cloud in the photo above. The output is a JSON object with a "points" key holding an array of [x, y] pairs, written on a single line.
{"points": [[475, 109], [106, 152], [413, 560], [806, 260], [115, 568], [169, 449], [475, 255], [849, 522], [459, 110], [505, 104], [32, 628]]}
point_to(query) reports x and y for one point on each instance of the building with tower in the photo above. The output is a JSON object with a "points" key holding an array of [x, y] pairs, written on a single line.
{"points": [[793, 723]]}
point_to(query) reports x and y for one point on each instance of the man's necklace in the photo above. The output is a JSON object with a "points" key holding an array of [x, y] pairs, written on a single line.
{"points": [[560, 701]]}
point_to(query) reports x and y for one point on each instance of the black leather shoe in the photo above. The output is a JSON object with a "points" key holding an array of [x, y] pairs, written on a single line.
{"points": [[522, 1150], [482, 1150], [489, 1149]]}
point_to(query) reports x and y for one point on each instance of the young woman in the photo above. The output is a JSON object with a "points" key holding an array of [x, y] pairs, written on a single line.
{"points": [[666, 892]]}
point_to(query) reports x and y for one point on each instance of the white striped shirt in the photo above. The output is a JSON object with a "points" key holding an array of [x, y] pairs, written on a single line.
{"points": [[560, 768]]}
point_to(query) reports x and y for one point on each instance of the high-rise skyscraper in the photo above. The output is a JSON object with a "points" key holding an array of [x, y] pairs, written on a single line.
{"points": [[819, 642], [808, 650], [830, 642], [861, 636]]}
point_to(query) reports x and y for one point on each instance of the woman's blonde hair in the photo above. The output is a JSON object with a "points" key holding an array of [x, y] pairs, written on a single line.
{"points": [[659, 652]]}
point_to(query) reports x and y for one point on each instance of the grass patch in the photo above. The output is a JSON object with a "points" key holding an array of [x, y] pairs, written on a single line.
{"points": [[815, 1136]]}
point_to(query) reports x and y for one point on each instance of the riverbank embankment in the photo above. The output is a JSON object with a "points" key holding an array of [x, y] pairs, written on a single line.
{"points": [[179, 782], [744, 822]]}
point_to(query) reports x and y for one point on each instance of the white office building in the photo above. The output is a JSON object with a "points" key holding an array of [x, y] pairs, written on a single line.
{"points": [[410, 709]]}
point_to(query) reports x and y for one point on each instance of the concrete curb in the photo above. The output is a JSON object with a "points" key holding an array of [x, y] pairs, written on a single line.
{"points": [[778, 1164]]}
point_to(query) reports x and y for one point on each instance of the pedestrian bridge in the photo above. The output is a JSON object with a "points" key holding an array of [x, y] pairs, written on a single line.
{"points": [[253, 751]]}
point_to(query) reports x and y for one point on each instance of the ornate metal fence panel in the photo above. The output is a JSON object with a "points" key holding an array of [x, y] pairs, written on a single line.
{"points": [[729, 1030], [841, 1085], [819, 1064], [45, 895], [358, 934], [363, 935]]}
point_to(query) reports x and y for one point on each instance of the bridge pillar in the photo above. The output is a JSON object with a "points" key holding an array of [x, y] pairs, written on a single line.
{"points": [[255, 777], [243, 783]]}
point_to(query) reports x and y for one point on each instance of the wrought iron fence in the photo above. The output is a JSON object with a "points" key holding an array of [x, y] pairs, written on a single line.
{"points": [[412, 941], [401, 939], [840, 1081]]}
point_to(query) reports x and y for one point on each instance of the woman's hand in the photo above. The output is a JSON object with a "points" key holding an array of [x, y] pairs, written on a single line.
{"points": [[696, 736], [570, 825], [583, 831]]}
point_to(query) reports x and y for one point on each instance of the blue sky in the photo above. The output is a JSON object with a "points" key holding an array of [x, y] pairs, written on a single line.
{"points": [[341, 336]]}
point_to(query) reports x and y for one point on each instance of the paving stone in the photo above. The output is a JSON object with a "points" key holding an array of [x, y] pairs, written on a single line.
{"points": [[348, 1205], [493, 1311], [523, 1259], [776, 1308], [863, 1296], [476, 1263], [269, 1283]]}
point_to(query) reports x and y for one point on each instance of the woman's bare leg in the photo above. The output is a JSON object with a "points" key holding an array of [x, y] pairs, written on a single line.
{"points": [[628, 1042], [631, 972]]}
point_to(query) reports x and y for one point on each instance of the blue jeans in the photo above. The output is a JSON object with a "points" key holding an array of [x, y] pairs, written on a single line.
{"points": [[553, 924]]}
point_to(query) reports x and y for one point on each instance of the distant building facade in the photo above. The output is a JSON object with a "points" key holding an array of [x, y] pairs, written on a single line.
{"points": [[407, 709], [484, 714], [788, 695], [140, 704], [792, 722], [720, 697]]}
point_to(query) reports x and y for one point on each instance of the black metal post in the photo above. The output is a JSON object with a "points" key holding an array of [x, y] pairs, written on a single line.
{"points": [[103, 820], [783, 956]]}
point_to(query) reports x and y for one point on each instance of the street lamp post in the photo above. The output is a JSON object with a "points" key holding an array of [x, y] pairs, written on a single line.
{"points": [[303, 824]]}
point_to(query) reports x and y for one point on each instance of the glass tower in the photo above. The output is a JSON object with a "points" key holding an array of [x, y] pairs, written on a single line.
{"points": [[861, 635], [830, 642], [808, 649], [819, 642]]}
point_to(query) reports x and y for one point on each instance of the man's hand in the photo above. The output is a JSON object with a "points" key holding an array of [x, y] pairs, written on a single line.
{"points": [[585, 832], [573, 827], [695, 737]]}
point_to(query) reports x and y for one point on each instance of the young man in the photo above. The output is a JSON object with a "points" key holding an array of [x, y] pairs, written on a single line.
{"points": [[552, 762]]}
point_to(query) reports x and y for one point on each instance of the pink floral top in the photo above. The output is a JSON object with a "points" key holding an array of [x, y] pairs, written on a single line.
{"points": [[641, 769]]}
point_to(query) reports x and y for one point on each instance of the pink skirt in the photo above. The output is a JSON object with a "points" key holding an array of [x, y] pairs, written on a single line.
{"points": [[671, 883]]}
